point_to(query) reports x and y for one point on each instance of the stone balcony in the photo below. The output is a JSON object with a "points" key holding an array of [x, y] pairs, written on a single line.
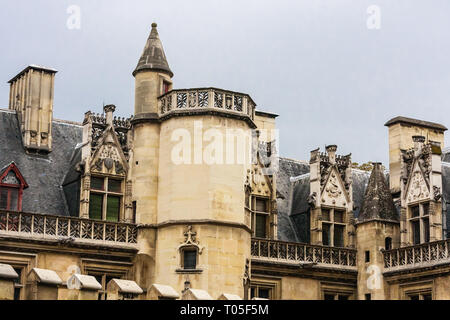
{"points": [[206, 99], [275, 251], [48, 227], [425, 255]]}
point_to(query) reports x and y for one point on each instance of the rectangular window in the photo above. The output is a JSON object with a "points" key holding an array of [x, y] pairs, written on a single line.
{"points": [[263, 292], [367, 256], [326, 215], [4, 198], [95, 206], [427, 296], [426, 209], [420, 296], [368, 296], [13, 199], [166, 87], [426, 229], [104, 279], [113, 208], [105, 199], [134, 211], [338, 235], [114, 185], [328, 296], [261, 224], [326, 234], [18, 285], [97, 183], [189, 259], [261, 205], [9, 198], [338, 216], [415, 211], [415, 226]]}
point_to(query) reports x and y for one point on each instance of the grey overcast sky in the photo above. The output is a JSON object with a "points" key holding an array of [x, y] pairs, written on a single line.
{"points": [[331, 79]]}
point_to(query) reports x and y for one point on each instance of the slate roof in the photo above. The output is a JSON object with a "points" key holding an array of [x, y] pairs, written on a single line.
{"points": [[153, 56], [43, 173], [287, 168], [378, 203]]}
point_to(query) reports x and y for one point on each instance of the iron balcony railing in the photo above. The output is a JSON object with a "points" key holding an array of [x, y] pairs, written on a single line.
{"points": [[422, 255], [49, 226], [290, 252], [206, 98]]}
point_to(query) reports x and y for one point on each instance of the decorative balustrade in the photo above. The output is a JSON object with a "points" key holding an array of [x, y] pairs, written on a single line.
{"points": [[422, 255], [202, 98], [49, 226], [289, 252]]}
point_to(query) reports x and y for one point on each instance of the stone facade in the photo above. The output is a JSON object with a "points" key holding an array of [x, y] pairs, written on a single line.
{"points": [[189, 199]]}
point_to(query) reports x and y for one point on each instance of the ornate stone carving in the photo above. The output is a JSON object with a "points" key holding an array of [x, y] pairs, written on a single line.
{"points": [[437, 193], [418, 188], [119, 167], [98, 165], [190, 240], [333, 189], [312, 198]]}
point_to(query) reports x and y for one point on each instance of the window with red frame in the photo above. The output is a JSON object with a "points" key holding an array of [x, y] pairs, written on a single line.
{"points": [[12, 184]]}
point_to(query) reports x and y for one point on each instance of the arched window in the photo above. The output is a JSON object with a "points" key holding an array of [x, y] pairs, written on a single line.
{"points": [[12, 184]]}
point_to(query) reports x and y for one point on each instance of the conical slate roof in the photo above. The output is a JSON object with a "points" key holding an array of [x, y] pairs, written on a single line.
{"points": [[153, 56], [378, 203]]}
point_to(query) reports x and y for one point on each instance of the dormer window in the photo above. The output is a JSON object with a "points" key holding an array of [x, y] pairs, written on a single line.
{"points": [[12, 184], [333, 227], [419, 222], [106, 199]]}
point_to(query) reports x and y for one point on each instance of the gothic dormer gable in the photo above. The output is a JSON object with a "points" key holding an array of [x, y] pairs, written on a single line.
{"points": [[97, 124], [108, 156]]}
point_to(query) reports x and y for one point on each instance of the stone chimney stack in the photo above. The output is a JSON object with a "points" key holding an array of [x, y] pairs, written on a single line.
{"points": [[401, 130], [31, 96]]}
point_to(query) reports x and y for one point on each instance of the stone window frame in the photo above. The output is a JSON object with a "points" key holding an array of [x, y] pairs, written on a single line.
{"points": [[24, 261], [105, 193], [420, 288], [420, 218], [104, 268], [190, 243], [273, 284], [337, 289], [183, 250], [331, 221]]}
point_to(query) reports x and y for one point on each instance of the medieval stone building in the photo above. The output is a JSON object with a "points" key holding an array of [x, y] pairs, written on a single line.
{"points": [[188, 199]]}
